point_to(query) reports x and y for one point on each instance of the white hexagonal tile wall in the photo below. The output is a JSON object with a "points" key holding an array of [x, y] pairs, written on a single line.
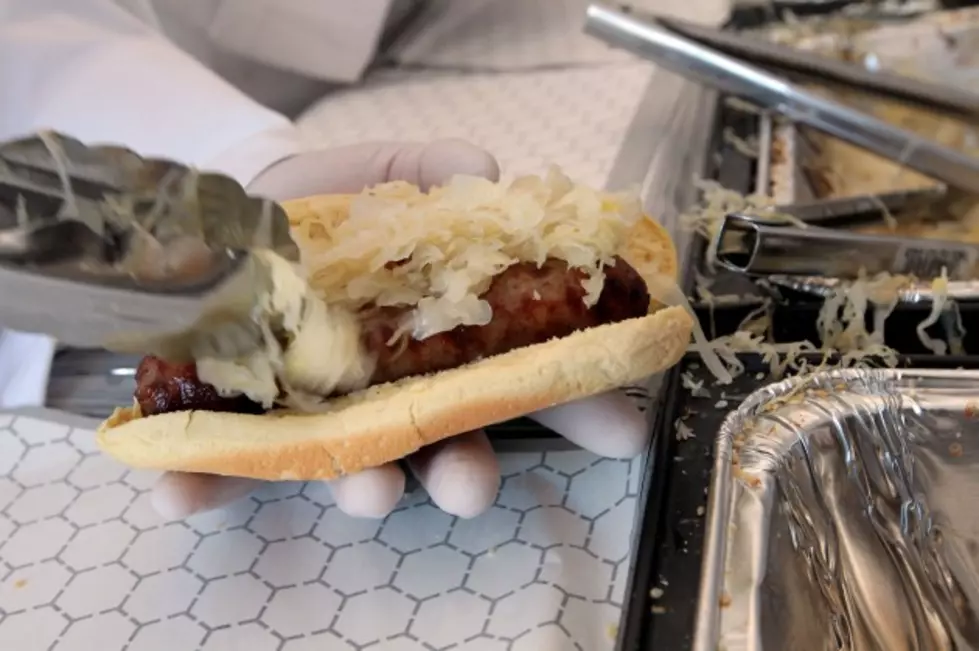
{"points": [[591, 625], [285, 519], [96, 470], [231, 600], [141, 514], [228, 553], [550, 636], [577, 572], [32, 586], [100, 504], [525, 609], [34, 431], [32, 630], [490, 530], [250, 636], [338, 528], [168, 635], [163, 595], [360, 567], [35, 542], [554, 525], [97, 545], [41, 502], [431, 571], [292, 561], [45, 464], [497, 573], [538, 487], [606, 538], [302, 609], [570, 462], [449, 617], [11, 451], [103, 632], [483, 644], [160, 549], [95, 591], [231, 516], [328, 640], [359, 621], [415, 528], [598, 487], [8, 490], [83, 440]]}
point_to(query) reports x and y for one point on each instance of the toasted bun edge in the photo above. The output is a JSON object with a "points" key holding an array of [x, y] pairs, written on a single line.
{"points": [[388, 422]]}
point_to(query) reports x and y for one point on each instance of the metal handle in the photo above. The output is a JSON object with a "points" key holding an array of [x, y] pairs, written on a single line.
{"points": [[708, 66], [809, 65], [756, 246]]}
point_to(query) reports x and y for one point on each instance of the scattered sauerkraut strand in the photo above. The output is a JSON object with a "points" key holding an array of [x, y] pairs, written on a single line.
{"points": [[438, 251], [841, 322], [939, 287]]}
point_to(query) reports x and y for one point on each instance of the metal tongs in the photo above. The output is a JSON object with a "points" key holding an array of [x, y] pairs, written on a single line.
{"points": [[696, 52], [757, 246], [102, 248]]}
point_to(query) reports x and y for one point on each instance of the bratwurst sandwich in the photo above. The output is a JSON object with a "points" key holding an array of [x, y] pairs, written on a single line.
{"points": [[414, 316]]}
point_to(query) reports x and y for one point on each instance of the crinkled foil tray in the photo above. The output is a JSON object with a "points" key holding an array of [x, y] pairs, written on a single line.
{"points": [[943, 47], [842, 515]]}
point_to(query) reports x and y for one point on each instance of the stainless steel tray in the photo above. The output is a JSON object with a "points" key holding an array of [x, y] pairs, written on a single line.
{"points": [[842, 516], [806, 165]]}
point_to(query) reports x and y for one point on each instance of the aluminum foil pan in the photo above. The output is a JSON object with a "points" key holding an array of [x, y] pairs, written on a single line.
{"points": [[805, 165], [842, 516]]}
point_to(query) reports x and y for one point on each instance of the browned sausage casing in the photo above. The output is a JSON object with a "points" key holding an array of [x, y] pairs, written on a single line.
{"points": [[530, 305]]}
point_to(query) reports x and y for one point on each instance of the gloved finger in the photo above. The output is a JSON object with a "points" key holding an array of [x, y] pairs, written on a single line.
{"points": [[177, 495], [351, 169], [461, 474], [609, 425], [370, 493]]}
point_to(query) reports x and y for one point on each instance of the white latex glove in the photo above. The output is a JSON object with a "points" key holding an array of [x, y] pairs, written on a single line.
{"points": [[461, 473]]}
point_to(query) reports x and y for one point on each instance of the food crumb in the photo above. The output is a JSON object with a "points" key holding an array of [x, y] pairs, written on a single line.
{"points": [[971, 409], [20, 583], [612, 631], [701, 510], [658, 610], [955, 449], [720, 404], [656, 593], [725, 600], [759, 376]]}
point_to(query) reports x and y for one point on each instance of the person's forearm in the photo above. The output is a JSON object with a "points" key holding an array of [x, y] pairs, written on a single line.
{"points": [[91, 70]]}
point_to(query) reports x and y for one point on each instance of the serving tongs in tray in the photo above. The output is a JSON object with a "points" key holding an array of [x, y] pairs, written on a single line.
{"points": [[102, 248], [654, 39], [709, 56]]}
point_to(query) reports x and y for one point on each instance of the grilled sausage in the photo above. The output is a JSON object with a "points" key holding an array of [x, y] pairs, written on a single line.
{"points": [[530, 305]]}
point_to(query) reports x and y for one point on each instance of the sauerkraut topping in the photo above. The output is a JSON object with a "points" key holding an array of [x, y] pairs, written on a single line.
{"points": [[309, 349], [842, 320], [438, 251]]}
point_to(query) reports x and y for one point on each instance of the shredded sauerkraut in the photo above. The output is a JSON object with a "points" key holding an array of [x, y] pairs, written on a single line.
{"points": [[438, 251], [842, 320]]}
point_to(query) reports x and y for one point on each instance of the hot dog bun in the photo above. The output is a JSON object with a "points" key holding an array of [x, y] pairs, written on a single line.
{"points": [[388, 422]]}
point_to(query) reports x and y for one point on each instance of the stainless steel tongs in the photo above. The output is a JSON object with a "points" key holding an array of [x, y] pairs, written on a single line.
{"points": [[757, 246], [102, 248], [719, 61]]}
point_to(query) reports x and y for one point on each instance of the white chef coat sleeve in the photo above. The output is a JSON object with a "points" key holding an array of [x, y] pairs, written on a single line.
{"points": [[92, 70]]}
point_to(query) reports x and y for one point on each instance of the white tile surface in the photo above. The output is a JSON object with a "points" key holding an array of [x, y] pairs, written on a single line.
{"points": [[90, 567]]}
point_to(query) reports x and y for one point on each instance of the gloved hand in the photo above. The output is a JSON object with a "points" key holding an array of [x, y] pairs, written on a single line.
{"points": [[461, 473]]}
